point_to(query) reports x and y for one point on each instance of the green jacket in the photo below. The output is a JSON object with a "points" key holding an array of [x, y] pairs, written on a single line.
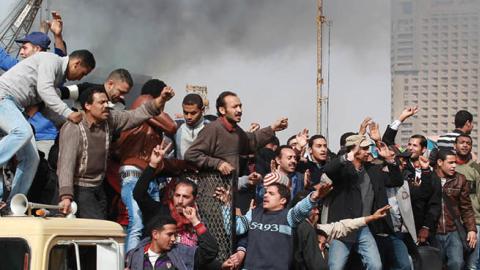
{"points": [[471, 170]]}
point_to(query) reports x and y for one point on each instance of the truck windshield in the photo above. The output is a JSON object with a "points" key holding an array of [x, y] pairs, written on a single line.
{"points": [[64, 258], [14, 253], [83, 254]]}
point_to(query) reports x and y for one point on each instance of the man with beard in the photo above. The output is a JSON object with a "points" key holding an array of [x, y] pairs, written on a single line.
{"points": [[118, 83], [184, 195], [84, 148], [469, 168], [219, 145], [456, 205]]}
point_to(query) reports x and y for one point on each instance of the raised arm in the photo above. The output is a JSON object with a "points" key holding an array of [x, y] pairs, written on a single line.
{"points": [[56, 27], [140, 193], [302, 209], [392, 129], [123, 120]]}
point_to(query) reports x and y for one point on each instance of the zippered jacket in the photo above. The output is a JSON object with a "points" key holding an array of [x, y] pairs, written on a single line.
{"points": [[456, 188]]}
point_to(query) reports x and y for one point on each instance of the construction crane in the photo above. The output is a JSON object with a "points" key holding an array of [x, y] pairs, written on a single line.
{"points": [[320, 98], [18, 24]]}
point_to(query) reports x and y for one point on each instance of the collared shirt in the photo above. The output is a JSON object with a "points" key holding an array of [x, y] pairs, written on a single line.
{"points": [[84, 147], [228, 126], [185, 136], [35, 79]]}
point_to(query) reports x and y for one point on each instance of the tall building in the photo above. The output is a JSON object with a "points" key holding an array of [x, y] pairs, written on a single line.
{"points": [[435, 64]]}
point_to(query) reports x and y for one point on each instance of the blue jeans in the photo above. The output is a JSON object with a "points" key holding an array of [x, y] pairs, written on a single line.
{"points": [[394, 252], [365, 246], [20, 142], [472, 261], [451, 250], [135, 224]]}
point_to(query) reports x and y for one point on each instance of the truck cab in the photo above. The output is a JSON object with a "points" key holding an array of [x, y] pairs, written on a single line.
{"points": [[53, 243]]}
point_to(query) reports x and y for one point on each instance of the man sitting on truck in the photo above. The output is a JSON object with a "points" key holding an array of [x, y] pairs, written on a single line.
{"points": [[160, 251]]}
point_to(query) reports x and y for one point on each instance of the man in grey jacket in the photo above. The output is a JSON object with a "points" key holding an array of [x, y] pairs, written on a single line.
{"points": [[30, 82], [84, 148]]}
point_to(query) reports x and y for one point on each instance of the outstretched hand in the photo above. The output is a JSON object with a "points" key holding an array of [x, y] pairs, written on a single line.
{"points": [[380, 213], [385, 152], [408, 112], [363, 126], [56, 24], [321, 190], [254, 127], [167, 93], [302, 139], [254, 178], [280, 124], [307, 178], [374, 132]]}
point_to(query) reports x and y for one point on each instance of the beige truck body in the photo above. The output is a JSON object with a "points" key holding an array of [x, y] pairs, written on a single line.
{"points": [[37, 243]]}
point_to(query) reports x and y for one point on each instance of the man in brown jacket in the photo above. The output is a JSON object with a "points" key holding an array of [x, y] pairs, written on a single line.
{"points": [[220, 144], [134, 148], [456, 193]]}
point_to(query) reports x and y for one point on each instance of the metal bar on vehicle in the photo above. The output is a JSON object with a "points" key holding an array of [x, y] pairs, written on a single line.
{"points": [[77, 256], [93, 241]]}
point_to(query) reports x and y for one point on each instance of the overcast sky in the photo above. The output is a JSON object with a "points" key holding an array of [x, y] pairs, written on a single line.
{"points": [[265, 50]]}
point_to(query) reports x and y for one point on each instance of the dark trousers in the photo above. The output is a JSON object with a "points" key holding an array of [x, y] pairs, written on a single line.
{"points": [[393, 251], [92, 202]]}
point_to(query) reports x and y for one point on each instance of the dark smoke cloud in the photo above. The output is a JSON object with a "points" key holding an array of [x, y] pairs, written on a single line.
{"points": [[262, 49], [159, 36]]}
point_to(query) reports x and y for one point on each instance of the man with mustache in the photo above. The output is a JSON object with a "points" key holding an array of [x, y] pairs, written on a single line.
{"points": [[84, 148], [184, 195], [220, 144], [287, 165]]}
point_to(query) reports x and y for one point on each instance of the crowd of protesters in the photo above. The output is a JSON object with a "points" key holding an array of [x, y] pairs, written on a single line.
{"points": [[373, 205]]}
